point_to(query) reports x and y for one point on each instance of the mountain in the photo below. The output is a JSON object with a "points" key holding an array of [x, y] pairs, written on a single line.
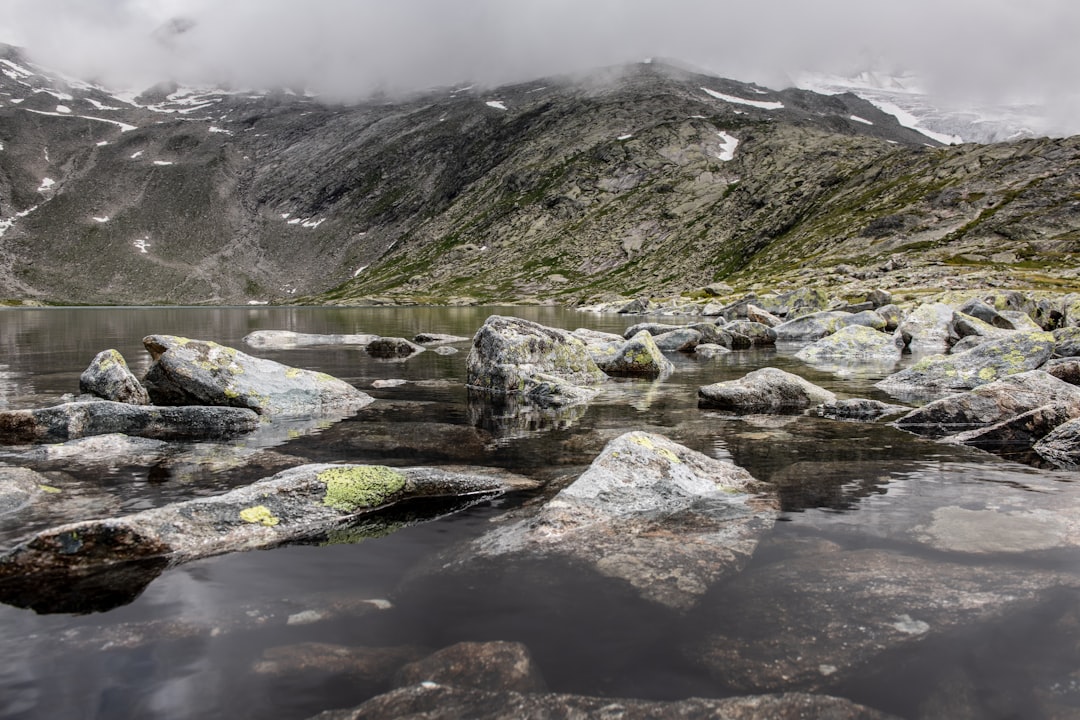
{"points": [[640, 179]]}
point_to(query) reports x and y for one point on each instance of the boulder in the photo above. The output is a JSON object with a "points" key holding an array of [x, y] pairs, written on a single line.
{"points": [[100, 417], [761, 316], [984, 363], [967, 325], [1070, 309], [794, 303], [966, 343], [710, 350], [860, 409], [811, 327], [1010, 301], [18, 488], [393, 348], [1067, 369], [892, 315], [989, 404], [638, 356], [768, 390], [1067, 342], [300, 503], [198, 372], [928, 328], [495, 666], [1021, 320], [375, 666], [758, 333], [713, 333], [1020, 432], [978, 309], [667, 520], [287, 339], [435, 701], [1062, 445], [681, 340], [852, 342], [547, 366], [879, 298], [866, 318], [438, 339], [653, 328], [109, 378], [635, 307]]}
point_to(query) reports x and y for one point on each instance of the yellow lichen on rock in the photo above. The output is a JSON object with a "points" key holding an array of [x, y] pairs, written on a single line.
{"points": [[647, 443], [259, 514], [353, 487]]}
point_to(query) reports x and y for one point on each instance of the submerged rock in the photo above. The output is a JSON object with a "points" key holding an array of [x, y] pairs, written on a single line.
{"points": [[495, 666], [548, 366], [109, 378], [859, 409], [198, 372], [985, 363], [101, 417], [393, 348], [438, 339], [830, 614], [433, 701], [989, 404], [286, 339], [300, 503], [768, 390], [665, 519], [19, 487], [853, 342], [374, 665]]}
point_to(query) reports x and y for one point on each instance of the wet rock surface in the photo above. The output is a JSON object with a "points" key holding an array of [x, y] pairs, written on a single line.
{"points": [[492, 666], [544, 365], [393, 348], [18, 488], [197, 372], [81, 419], [109, 378], [665, 519], [765, 390], [435, 701], [287, 339]]}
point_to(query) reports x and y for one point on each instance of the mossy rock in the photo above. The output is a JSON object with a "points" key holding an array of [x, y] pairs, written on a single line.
{"points": [[360, 486]]}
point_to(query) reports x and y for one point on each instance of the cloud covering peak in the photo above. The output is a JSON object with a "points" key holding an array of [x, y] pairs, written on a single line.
{"points": [[986, 50]]}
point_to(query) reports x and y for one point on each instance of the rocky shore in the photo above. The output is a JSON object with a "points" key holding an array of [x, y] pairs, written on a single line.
{"points": [[653, 519]]}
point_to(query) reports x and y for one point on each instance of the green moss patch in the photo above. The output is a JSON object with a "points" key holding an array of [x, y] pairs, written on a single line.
{"points": [[360, 486], [259, 514]]}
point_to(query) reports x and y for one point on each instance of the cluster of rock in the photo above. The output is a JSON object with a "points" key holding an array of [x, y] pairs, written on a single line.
{"points": [[389, 348]]}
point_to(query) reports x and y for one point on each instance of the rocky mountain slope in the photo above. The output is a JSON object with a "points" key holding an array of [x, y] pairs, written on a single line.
{"points": [[645, 179]]}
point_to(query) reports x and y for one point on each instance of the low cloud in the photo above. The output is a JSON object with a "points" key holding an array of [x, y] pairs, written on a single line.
{"points": [[985, 50]]}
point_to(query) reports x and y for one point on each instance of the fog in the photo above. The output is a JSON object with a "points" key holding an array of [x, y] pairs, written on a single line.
{"points": [[984, 50]]}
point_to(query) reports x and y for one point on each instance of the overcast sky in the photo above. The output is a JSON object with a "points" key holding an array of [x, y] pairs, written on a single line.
{"points": [[997, 49]]}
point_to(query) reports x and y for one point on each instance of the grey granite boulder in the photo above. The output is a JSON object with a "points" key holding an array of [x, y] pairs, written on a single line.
{"points": [[667, 520], [984, 363], [768, 390], [653, 328], [495, 666], [100, 417], [978, 309], [544, 365], [968, 325], [681, 340], [811, 327], [1067, 342], [759, 333], [1062, 445], [989, 404], [109, 378], [1018, 433], [198, 372], [287, 339], [638, 356], [853, 342], [928, 328]]}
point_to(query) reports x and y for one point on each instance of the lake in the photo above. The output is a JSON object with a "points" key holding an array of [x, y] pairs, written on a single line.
{"points": [[919, 578]]}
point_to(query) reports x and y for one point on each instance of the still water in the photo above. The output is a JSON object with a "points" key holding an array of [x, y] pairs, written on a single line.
{"points": [[892, 578]]}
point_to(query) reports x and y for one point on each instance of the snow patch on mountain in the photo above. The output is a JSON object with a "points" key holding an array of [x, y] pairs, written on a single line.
{"points": [[727, 149], [497, 104], [762, 104]]}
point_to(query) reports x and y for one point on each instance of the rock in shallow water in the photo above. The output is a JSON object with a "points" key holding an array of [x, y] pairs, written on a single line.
{"points": [[769, 390], [109, 378], [286, 339], [665, 519], [82, 419], [548, 366], [198, 372]]}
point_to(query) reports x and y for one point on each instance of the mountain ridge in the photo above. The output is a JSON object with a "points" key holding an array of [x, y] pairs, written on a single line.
{"points": [[642, 179]]}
